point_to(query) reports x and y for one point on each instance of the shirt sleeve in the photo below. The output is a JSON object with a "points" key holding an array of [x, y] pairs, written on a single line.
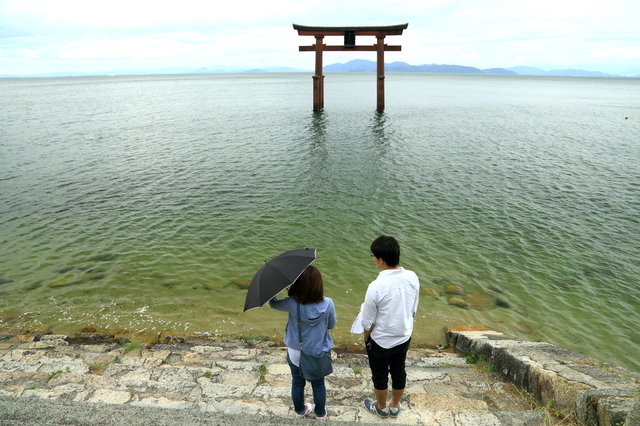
{"points": [[333, 318], [279, 304], [415, 304], [369, 309]]}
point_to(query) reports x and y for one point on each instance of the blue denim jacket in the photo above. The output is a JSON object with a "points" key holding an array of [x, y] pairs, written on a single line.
{"points": [[317, 319]]}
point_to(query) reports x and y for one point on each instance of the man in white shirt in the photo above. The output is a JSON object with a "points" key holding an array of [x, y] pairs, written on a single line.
{"points": [[389, 307]]}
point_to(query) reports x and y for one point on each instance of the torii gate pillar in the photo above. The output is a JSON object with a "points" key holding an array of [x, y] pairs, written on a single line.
{"points": [[349, 34], [318, 78], [380, 72]]}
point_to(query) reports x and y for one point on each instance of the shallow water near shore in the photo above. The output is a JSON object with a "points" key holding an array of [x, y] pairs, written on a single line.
{"points": [[133, 203]]}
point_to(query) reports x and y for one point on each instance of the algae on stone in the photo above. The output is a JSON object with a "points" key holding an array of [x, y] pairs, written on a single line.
{"points": [[65, 281], [456, 289], [481, 300], [433, 292], [457, 300]]}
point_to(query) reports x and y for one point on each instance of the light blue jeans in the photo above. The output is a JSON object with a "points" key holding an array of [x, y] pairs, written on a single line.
{"points": [[297, 392]]}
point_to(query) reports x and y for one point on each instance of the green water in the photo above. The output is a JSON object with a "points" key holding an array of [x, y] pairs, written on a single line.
{"points": [[182, 184]]}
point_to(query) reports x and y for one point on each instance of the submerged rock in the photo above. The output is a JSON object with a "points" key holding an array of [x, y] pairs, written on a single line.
{"points": [[476, 276], [172, 340], [228, 311], [453, 288], [496, 289], [481, 300], [241, 284], [104, 257], [5, 281], [83, 338], [524, 327], [503, 303], [65, 281], [433, 292], [10, 315], [33, 285], [202, 286], [566, 283], [458, 300]]}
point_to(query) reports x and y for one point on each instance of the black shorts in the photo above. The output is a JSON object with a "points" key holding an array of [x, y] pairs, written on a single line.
{"points": [[385, 362]]}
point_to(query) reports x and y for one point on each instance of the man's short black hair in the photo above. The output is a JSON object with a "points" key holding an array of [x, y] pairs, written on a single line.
{"points": [[387, 249]]}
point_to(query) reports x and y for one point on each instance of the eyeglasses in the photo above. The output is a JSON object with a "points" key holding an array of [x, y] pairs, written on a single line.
{"points": [[373, 255]]}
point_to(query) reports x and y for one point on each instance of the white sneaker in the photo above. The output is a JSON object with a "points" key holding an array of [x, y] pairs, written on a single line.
{"points": [[307, 410], [372, 406], [393, 412]]}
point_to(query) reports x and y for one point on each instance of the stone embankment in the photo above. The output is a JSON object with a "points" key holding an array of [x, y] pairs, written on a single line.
{"points": [[596, 394], [208, 382]]}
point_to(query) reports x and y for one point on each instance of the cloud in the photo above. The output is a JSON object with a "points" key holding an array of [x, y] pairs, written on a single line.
{"points": [[141, 13], [626, 53], [143, 33]]}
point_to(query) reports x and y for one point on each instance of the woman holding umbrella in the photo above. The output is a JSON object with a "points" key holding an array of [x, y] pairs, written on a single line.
{"points": [[317, 316]]}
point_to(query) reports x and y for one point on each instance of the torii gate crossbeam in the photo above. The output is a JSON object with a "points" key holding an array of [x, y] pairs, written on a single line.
{"points": [[349, 34]]}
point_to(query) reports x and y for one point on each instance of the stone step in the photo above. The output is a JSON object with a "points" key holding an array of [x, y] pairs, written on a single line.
{"points": [[21, 411], [232, 378], [239, 379]]}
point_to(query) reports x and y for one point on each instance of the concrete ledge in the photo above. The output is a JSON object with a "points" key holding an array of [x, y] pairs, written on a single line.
{"points": [[599, 394]]}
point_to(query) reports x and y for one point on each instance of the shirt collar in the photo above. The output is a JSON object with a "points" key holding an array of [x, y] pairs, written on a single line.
{"points": [[391, 271]]}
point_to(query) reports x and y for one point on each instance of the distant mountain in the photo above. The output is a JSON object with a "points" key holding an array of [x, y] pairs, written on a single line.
{"points": [[432, 68], [500, 71], [158, 71], [579, 73], [356, 65], [523, 70], [284, 69], [362, 65], [224, 69]]}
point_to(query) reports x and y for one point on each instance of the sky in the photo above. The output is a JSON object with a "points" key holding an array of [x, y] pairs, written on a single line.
{"points": [[42, 36]]}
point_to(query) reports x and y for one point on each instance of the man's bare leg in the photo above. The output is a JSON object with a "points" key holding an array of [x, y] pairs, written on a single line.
{"points": [[381, 398], [396, 395]]}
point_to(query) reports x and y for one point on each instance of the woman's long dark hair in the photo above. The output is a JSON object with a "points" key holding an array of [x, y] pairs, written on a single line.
{"points": [[308, 287]]}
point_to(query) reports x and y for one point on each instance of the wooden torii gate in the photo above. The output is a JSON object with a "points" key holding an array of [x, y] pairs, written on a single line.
{"points": [[349, 34]]}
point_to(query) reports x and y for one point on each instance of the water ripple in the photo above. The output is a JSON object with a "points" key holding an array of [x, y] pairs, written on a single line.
{"points": [[190, 182]]}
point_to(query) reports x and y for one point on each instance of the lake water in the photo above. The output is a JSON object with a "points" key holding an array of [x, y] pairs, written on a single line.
{"points": [[132, 203]]}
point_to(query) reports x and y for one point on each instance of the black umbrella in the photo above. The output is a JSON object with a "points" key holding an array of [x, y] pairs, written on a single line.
{"points": [[276, 275]]}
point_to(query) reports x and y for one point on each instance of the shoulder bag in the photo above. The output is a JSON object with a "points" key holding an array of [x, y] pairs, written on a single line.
{"points": [[312, 367]]}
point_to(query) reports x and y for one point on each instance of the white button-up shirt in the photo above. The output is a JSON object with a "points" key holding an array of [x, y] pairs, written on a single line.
{"points": [[390, 305]]}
